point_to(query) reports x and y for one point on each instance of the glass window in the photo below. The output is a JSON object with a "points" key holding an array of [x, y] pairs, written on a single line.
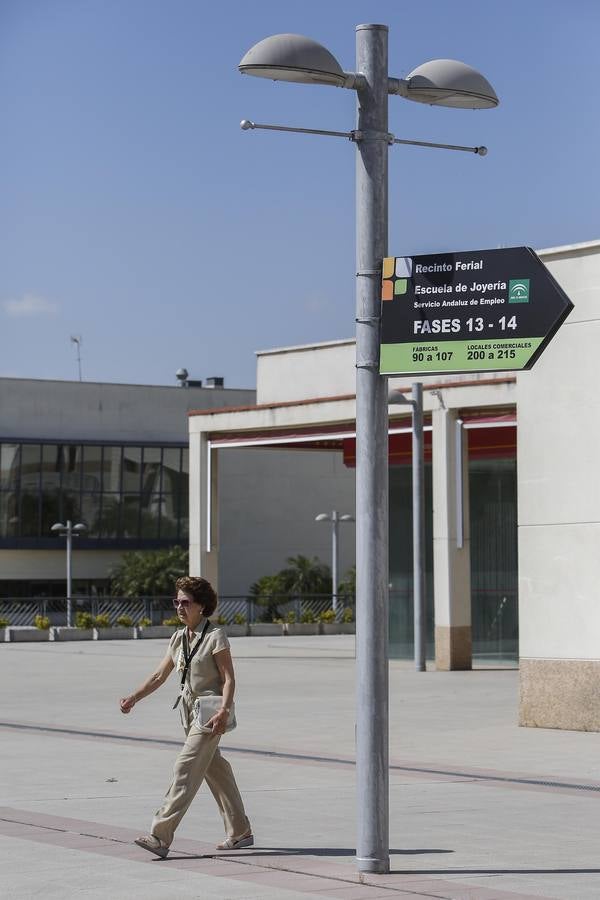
{"points": [[119, 492], [31, 461], [92, 469], [130, 516], [132, 467], [171, 470], [52, 464], [51, 511], [150, 518], [184, 520], [111, 469], [72, 467], [90, 513], [9, 465], [30, 513], [151, 470], [9, 514], [108, 520]]}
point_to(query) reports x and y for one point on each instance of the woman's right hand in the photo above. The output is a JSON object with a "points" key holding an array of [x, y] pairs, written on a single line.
{"points": [[127, 704]]}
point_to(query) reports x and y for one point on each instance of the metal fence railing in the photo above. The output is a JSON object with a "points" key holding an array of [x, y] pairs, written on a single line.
{"points": [[23, 610]]}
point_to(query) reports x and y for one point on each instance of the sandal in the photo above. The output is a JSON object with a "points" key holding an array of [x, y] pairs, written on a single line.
{"points": [[152, 844], [237, 843]]}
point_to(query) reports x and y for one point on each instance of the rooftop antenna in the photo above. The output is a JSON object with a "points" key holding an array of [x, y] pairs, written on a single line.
{"points": [[77, 339]]}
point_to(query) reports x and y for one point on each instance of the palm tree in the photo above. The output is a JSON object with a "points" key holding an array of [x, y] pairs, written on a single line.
{"points": [[149, 574], [305, 576]]}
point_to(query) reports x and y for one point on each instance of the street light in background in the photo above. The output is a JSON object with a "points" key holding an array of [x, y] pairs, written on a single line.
{"points": [[335, 519], [292, 57], [418, 498], [69, 531]]}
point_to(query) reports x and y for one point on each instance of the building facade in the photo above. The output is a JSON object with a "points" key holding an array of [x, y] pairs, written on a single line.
{"points": [[512, 559]]}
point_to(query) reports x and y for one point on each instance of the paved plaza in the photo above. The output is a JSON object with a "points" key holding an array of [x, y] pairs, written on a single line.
{"points": [[479, 808]]}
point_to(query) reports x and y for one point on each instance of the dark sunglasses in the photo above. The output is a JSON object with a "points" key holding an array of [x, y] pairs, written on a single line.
{"points": [[185, 602]]}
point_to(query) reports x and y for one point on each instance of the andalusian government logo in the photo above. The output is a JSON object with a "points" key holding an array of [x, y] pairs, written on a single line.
{"points": [[518, 290]]}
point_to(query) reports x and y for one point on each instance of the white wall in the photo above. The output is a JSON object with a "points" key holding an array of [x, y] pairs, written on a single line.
{"points": [[268, 500], [23, 565], [304, 372], [558, 407], [73, 410]]}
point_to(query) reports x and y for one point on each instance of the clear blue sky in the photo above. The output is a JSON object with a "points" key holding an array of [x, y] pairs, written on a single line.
{"points": [[136, 213]]}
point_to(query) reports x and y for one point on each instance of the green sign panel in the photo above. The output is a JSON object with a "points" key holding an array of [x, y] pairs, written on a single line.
{"points": [[480, 311]]}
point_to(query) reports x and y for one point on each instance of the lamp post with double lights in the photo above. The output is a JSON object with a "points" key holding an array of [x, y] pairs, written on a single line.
{"points": [[69, 531], [335, 518], [292, 57]]}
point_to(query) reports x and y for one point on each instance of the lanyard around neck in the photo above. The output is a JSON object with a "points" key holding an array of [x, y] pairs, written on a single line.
{"points": [[188, 655]]}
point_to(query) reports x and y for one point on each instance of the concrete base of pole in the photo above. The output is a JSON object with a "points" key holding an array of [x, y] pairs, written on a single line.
{"points": [[377, 866]]}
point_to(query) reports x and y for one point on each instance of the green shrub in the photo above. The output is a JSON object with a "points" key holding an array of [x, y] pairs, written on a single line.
{"points": [[42, 622], [290, 618], [239, 619], [174, 620], [327, 616], [308, 617], [221, 620], [125, 621], [348, 615], [145, 622], [84, 620], [102, 621], [4, 622]]}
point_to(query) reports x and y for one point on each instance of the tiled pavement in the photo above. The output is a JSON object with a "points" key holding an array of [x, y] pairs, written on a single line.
{"points": [[479, 808]]}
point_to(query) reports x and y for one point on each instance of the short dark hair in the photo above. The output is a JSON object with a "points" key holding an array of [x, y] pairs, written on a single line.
{"points": [[200, 590]]}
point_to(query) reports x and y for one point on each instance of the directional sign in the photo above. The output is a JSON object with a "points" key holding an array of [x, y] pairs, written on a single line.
{"points": [[481, 311]]}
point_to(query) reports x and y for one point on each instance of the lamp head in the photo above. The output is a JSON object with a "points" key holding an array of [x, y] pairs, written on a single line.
{"points": [[448, 82], [292, 57], [58, 526], [79, 528], [322, 517]]}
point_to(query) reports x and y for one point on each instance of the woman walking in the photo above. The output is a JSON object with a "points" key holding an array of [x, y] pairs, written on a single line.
{"points": [[200, 653]]}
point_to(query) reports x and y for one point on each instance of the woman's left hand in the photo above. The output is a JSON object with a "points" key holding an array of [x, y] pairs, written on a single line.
{"points": [[218, 722]]}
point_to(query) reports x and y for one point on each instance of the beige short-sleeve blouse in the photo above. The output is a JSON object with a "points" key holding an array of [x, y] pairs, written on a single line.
{"points": [[203, 676]]}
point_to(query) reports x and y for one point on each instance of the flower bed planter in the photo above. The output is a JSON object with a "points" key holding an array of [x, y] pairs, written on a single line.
{"points": [[25, 633], [64, 633], [266, 629], [236, 630], [301, 628], [155, 631], [348, 627], [331, 627], [115, 633]]}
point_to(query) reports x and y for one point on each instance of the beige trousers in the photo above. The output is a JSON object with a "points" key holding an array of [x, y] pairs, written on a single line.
{"points": [[199, 760]]}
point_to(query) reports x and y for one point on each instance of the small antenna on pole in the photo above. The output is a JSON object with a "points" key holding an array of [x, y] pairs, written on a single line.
{"points": [[77, 339]]}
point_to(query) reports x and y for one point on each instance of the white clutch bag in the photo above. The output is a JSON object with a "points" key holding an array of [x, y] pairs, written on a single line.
{"points": [[205, 708]]}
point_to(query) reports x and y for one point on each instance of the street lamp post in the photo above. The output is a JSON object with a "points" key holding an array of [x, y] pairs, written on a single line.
{"points": [[335, 519], [69, 531], [292, 57]]}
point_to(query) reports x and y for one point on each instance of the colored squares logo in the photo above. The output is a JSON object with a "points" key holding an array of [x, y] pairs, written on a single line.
{"points": [[518, 290], [388, 266], [396, 273], [403, 267]]}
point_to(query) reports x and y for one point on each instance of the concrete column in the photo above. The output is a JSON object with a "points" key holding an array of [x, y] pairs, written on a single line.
{"points": [[204, 504], [451, 548]]}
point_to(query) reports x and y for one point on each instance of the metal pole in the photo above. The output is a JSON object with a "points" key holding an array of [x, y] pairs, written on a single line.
{"points": [[418, 472], [372, 752], [334, 560], [69, 600]]}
